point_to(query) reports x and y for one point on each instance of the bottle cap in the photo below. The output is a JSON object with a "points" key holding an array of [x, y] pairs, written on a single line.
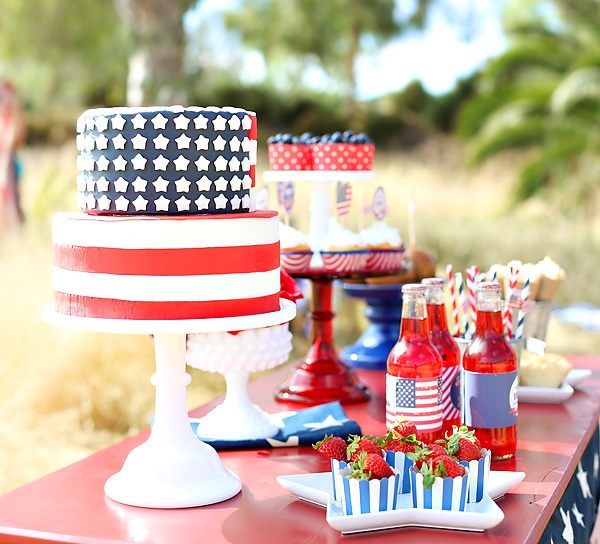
{"points": [[413, 288], [433, 281]]}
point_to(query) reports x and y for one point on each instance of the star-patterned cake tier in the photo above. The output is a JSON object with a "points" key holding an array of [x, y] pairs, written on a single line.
{"points": [[166, 160]]}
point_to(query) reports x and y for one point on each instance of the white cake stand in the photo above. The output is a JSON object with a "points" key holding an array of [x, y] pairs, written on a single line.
{"points": [[236, 357], [172, 469]]}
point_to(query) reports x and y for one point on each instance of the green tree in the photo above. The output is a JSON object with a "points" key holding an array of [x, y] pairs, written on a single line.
{"points": [[63, 52], [543, 95], [296, 36]]}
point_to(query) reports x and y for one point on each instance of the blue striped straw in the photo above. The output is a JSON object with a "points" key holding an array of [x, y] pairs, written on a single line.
{"points": [[521, 321], [464, 305]]}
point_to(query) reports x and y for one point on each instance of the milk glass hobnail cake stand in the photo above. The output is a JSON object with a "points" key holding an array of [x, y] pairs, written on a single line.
{"points": [[236, 356], [173, 468]]}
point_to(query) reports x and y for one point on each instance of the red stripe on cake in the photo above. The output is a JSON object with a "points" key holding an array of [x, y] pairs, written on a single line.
{"points": [[106, 308], [168, 262], [253, 132], [252, 174]]}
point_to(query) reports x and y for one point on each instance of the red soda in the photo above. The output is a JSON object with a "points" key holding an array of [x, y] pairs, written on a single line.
{"points": [[444, 342], [414, 370], [490, 378]]}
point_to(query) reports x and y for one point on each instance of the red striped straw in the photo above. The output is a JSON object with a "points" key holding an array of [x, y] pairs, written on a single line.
{"points": [[471, 295], [452, 285], [509, 303]]}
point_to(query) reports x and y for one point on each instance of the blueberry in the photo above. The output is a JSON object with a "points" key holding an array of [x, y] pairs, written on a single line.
{"points": [[347, 136], [286, 138]]}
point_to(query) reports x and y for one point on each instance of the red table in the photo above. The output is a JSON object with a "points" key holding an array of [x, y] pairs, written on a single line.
{"points": [[70, 506]]}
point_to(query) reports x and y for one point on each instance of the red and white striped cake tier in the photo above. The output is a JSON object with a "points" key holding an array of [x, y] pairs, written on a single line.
{"points": [[157, 267]]}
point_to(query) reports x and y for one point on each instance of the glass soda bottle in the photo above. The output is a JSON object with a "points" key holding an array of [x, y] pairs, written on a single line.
{"points": [[414, 370], [444, 342], [490, 378]]}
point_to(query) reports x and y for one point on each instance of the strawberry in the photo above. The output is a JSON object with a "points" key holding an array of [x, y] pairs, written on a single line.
{"points": [[426, 453], [403, 427], [463, 444], [444, 466], [403, 445], [363, 443], [333, 447], [392, 444], [370, 466], [437, 449]]}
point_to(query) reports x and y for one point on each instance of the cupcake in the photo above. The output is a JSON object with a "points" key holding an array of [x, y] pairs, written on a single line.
{"points": [[334, 151], [384, 246], [548, 370], [295, 253], [287, 152], [552, 275], [364, 151], [343, 251]]}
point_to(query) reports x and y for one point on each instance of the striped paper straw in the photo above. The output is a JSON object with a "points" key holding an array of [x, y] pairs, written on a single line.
{"points": [[510, 303], [521, 322], [472, 298], [452, 286], [463, 302]]}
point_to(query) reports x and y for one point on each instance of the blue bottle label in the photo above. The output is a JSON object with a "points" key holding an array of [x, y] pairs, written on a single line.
{"points": [[490, 401]]}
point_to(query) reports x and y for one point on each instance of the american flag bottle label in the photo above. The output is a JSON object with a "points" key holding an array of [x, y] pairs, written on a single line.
{"points": [[418, 399], [490, 400]]}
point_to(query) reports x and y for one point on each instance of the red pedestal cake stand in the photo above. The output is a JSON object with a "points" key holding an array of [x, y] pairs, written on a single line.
{"points": [[322, 377]]}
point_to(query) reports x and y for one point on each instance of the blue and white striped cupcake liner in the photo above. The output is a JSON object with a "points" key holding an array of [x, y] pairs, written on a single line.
{"points": [[444, 494], [402, 464], [479, 475], [369, 496]]}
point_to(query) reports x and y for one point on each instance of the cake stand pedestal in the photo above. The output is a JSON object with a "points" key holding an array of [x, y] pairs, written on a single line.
{"points": [[384, 312], [236, 357], [172, 469]]}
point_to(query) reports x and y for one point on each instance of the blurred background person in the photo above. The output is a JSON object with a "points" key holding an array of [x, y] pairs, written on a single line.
{"points": [[12, 135]]}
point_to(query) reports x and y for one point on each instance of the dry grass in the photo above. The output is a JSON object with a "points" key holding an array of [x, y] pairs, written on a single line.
{"points": [[65, 394]]}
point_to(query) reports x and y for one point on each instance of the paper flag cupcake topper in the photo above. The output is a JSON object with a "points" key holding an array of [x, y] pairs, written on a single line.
{"points": [[262, 198], [343, 198], [379, 206]]}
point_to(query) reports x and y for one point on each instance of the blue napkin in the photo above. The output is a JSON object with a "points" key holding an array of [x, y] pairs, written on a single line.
{"points": [[300, 428]]}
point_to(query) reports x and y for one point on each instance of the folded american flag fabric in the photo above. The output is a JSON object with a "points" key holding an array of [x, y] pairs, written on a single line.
{"points": [[300, 428]]}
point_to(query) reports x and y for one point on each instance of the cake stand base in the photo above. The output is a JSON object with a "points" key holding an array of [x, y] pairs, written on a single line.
{"points": [[163, 476], [237, 416], [384, 312], [172, 469]]}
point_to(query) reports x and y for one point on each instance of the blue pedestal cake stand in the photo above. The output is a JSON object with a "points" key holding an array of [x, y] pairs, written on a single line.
{"points": [[384, 311]]}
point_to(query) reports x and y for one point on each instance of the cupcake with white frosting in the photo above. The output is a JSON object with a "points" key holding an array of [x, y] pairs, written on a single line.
{"points": [[384, 246], [295, 253], [343, 251]]}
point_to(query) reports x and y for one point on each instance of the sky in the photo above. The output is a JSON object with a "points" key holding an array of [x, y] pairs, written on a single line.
{"points": [[438, 56]]}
